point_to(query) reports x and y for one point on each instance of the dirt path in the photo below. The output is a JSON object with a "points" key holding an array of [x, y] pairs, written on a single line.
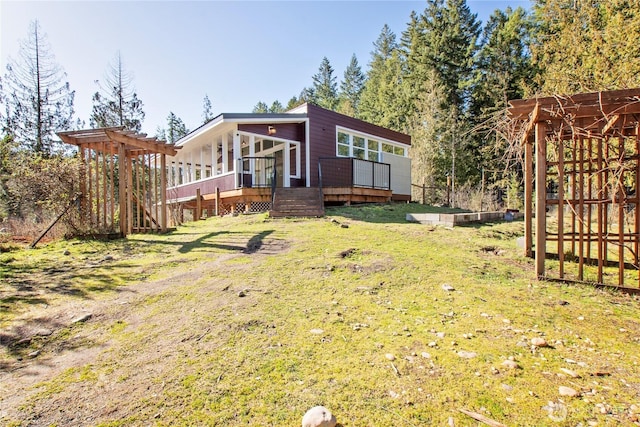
{"points": [[66, 345]]}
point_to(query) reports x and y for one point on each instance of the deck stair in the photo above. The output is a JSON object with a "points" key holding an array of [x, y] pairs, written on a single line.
{"points": [[297, 202]]}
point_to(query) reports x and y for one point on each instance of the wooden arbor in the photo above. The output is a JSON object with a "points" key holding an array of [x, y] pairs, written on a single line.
{"points": [[123, 181], [586, 188]]}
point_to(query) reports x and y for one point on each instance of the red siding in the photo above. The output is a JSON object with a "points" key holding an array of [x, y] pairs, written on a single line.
{"points": [[207, 186], [290, 131], [322, 134]]}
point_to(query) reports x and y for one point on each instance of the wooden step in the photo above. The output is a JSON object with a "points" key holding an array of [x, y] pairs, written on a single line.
{"points": [[297, 202]]}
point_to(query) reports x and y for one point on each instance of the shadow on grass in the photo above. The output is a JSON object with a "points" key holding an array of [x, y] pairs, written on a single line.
{"points": [[33, 284], [203, 242]]}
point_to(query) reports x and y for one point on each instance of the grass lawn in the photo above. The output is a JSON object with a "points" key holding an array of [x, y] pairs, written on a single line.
{"points": [[251, 321]]}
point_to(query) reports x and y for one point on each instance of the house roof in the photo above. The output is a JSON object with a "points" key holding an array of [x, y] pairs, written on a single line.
{"points": [[244, 118], [296, 115]]}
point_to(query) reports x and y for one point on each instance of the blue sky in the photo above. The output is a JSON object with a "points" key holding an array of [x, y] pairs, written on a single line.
{"points": [[236, 52]]}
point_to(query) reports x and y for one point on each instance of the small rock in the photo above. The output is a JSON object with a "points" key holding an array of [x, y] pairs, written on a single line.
{"points": [[318, 416], [390, 357], [506, 387], [426, 355], [317, 331], [440, 335], [511, 364], [539, 342], [567, 391], [506, 321], [242, 294], [66, 252], [580, 317], [467, 354], [571, 373], [393, 394], [82, 318], [107, 258], [432, 344], [447, 287], [344, 225], [34, 354]]}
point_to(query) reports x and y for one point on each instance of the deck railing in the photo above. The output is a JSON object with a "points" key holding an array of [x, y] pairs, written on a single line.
{"points": [[352, 172], [257, 172]]}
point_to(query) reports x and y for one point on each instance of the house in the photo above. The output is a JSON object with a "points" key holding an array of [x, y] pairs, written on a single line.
{"points": [[244, 161]]}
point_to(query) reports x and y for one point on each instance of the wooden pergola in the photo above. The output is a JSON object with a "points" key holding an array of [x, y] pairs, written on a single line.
{"points": [[585, 149], [123, 180]]}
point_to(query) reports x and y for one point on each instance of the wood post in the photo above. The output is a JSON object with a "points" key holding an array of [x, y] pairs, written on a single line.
{"points": [[198, 212], [163, 192], [541, 197], [217, 202], [528, 199], [128, 162], [122, 191]]}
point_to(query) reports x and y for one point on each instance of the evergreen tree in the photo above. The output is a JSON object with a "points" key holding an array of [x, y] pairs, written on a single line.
{"points": [[276, 107], [207, 115], [351, 88], [583, 46], [260, 107], [325, 86], [383, 100], [503, 65], [307, 94], [449, 42], [293, 103], [438, 47], [38, 102], [174, 131], [503, 72], [117, 103]]}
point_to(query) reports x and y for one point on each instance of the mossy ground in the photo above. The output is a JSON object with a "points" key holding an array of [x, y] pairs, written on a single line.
{"points": [[171, 342]]}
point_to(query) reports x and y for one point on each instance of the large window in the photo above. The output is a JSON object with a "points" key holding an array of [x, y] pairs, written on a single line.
{"points": [[352, 144]]}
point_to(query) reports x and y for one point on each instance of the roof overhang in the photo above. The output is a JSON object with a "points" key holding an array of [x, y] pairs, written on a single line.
{"points": [[242, 118]]}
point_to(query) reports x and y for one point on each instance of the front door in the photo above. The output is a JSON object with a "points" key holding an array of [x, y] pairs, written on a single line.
{"points": [[279, 168]]}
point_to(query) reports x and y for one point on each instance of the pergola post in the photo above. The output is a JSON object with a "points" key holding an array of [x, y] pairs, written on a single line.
{"points": [[541, 197], [163, 193], [122, 190], [528, 199]]}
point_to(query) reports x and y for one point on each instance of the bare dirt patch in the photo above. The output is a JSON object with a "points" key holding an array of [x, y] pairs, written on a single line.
{"points": [[49, 342]]}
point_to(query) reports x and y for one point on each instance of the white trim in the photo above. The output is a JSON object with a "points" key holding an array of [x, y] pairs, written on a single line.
{"points": [[200, 180], [297, 145], [367, 137], [307, 153], [284, 147], [286, 162], [222, 121], [236, 155]]}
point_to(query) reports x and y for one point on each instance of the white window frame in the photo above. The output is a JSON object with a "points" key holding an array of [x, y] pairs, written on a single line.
{"points": [[351, 133]]}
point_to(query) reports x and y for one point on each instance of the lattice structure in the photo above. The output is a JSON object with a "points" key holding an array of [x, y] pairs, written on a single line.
{"points": [[123, 182], [587, 164]]}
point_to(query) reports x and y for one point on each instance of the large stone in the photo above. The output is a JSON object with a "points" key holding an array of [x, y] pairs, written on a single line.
{"points": [[318, 416], [568, 391], [539, 342]]}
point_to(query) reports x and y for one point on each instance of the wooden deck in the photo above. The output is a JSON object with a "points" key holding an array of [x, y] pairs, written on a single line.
{"points": [[246, 200]]}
